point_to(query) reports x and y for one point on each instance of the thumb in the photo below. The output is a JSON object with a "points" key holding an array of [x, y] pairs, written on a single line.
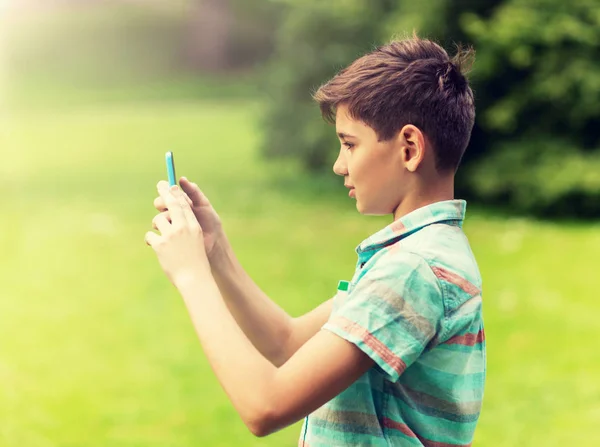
{"points": [[193, 191]]}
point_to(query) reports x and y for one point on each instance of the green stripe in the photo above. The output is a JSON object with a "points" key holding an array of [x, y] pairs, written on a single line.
{"points": [[436, 429], [342, 427], [454, 361], [386, 302], [326, 437], [432, 406], [469, 311], [455, 347], [360, 390], [398, 438], [469, 387]]}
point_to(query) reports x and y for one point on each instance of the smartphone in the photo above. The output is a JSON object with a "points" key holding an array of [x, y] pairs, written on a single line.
{"points": [[171, 169]]}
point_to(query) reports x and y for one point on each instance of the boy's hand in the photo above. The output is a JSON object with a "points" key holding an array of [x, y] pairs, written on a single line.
{"points": [[205, 214], [180, 246]]}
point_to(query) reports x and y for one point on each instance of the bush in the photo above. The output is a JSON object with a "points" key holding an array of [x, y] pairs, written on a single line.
{"points": [[538, 88]]}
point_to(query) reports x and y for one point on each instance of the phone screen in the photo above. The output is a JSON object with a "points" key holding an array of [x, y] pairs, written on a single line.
{"points": [[171, 168]]}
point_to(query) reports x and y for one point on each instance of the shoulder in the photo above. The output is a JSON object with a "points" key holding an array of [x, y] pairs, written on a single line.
{"points": [[435, 264], [401, 275], [447, 251], [400, 262]]}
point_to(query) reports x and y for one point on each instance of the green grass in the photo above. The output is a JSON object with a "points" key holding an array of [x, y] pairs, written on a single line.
{"points": [[96, 348]]}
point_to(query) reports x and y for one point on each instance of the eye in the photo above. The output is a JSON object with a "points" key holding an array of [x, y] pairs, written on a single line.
{"points": [[348, 145]]}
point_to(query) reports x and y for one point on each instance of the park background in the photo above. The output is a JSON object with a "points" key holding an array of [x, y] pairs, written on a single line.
{"points": [[96, 348]]}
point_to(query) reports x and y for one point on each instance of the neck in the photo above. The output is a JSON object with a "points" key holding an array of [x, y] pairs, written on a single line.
{"points": [[426, 193]]}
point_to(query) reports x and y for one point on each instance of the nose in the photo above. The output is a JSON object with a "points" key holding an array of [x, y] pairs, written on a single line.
{"points": [[340, 166]]}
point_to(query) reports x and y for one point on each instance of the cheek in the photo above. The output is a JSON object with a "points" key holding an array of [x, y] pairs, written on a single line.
{"points": [[378, 186], [360, 165], [369, 173]]}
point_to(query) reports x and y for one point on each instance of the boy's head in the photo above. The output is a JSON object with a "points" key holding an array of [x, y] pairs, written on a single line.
{"points": [[404, 115]]}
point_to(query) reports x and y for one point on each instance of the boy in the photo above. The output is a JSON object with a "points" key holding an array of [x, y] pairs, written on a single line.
{"points": [[399, 359]]}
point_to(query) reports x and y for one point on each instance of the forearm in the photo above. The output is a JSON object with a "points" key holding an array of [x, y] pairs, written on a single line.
{"points": [[266, 397], [244, 374], [265, 324]]}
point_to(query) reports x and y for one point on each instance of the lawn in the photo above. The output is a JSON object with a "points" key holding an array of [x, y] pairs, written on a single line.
{"points": [[96, 348]]}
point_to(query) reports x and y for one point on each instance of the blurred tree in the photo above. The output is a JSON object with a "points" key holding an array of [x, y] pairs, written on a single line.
{"points": [[535, 145], [227, 35], [538, 89], [253, 34], [209, 35], [114, 40], [314, 41]]}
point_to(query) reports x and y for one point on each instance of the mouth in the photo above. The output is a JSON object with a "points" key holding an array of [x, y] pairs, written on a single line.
{"points": [[351, 193]]}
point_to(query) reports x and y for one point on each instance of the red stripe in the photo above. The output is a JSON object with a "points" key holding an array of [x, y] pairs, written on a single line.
{"points": [[405, 429], [397, 226], [428, 443], [371, 341], [453, 278], [395, 247], [389, 423], [469, 339]]}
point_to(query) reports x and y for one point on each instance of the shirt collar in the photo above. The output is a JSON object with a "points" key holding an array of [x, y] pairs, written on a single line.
{"points": [[451, 211]]}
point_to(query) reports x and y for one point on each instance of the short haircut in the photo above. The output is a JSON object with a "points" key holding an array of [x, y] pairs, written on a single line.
{"points": [[409, 81]]}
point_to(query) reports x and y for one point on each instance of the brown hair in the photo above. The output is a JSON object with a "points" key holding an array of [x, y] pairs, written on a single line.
{"points": [[410, 81]]}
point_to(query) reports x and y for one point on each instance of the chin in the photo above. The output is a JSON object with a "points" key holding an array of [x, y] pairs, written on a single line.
{"points": [[371, 211], [359, 208], [363, 210]]}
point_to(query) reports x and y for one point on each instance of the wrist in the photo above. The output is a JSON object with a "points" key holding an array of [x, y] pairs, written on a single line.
{"points": [[191, 279], [220, 258]]}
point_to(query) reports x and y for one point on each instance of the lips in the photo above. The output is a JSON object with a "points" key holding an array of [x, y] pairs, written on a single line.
{"points": [[351, 193]]}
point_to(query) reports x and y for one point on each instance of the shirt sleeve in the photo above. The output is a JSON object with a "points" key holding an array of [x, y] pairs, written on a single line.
{"points": [[392, 312]]}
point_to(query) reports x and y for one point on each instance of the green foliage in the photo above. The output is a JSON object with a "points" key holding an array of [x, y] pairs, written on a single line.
{"points": [[538, 88], [535, 146], [544, 175], [253, 34]]}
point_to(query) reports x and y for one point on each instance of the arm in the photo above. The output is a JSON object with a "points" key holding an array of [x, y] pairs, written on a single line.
{"points": [[396, 310], [272, 331], [269, 398], [305, 327], [275, 334], [266, 397]]}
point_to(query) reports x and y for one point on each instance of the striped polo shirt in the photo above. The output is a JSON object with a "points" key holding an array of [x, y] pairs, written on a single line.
{"points": [[414, 307]]}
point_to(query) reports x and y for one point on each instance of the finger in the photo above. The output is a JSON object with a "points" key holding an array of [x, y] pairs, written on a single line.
{"points": [[193, 191], [172, 203], [188, 200], [160, 223], [166, 215], [159, 204], [151, 239], [162, 184], [185, 206]]}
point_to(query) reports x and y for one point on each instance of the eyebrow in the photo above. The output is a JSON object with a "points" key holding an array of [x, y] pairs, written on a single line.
{"points": [[345, 135]]}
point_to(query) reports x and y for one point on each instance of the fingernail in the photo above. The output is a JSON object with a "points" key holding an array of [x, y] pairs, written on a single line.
{"points": [[174, 188]]}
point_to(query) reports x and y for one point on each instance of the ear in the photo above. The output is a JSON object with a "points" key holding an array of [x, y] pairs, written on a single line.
{"points": [[412, 143]]}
